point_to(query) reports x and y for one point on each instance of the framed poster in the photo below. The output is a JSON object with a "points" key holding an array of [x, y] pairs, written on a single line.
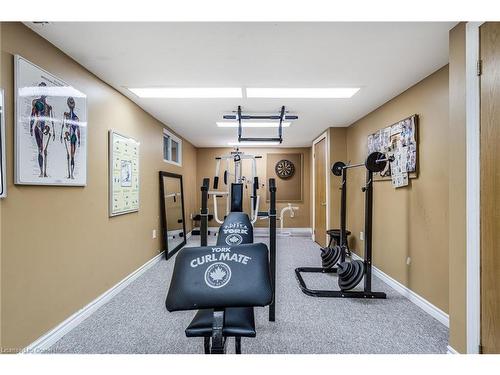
{"points": [[50, 128], [123, 174], [400, 142], [3, 180]]}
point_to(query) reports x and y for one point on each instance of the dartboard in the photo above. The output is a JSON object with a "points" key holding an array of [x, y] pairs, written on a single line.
{"points": [[284, 169]]}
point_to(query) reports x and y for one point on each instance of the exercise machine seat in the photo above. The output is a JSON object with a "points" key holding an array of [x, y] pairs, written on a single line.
{"points": [[236, 230], [238, 321], [217, 277]]}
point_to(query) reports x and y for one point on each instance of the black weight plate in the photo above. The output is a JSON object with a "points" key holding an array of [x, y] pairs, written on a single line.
{"points": [[337, 168], [372, 164], [355, 279]]}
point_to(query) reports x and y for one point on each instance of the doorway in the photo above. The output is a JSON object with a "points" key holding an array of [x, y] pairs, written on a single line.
{"points": [[490, 186], [320, 189]]}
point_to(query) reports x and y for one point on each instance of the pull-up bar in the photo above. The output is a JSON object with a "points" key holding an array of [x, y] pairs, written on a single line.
{"points": [[239, 116]]}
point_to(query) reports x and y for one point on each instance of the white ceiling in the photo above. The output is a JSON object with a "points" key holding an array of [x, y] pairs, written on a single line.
{"points": [[383, 59]]}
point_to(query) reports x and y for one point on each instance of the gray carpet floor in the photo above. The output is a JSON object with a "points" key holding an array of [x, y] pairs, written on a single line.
{"points": [[136, 321]]}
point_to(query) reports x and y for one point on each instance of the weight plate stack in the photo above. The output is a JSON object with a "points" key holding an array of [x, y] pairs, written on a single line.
{"points": [[350, 274], [330, 256]]}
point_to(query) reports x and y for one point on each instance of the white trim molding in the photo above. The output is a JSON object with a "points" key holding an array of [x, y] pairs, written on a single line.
{"points": [[418, 300], [264, 231], [473, 231], [324, 136], [51, 337], [450, 350], [172, 137]]}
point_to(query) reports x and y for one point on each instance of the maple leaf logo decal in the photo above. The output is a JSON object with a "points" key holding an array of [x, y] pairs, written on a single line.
{"points": [[218, 274]]}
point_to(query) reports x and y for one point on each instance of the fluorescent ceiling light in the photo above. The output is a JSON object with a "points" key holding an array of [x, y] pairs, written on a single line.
{"points": [[305, 93], [253, 143], [246, 124], [188, 92]]}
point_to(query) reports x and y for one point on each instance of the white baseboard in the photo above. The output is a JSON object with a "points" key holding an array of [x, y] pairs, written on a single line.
{"points": [[51, 337], [418, 300], [289, 232], [450, 350]]}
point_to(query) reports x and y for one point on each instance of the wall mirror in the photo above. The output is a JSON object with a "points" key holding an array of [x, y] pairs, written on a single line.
{"points": [[172, 213]]}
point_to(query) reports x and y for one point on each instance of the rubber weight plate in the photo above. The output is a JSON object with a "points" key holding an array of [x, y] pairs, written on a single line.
{"points": [[337, 168], [372, 164]]}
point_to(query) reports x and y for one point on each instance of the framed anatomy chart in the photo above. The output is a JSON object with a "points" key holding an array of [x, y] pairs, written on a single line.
{"points": [[124, 179], [50, 128], [3, 180]]}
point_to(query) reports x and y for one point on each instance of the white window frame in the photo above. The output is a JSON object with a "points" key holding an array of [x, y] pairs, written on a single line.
{"points": [[179, 143]]}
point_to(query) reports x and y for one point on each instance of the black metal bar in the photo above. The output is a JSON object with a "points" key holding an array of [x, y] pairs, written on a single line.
{"points": [[280, 126], [206, 344], [239, 123], [218, 339], [204, 212], [272, 245], [237, 345], [260, 117], [248, 139], [368, 229], [363, 164], [343, 214], [332, 293]]}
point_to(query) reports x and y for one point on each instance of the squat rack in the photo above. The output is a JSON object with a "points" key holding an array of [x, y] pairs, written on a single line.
{"points": [[375, 163]]}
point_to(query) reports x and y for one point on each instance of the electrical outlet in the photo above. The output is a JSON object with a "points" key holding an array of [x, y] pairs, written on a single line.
{"points": [[408, 261], [362, 236], [154, 233]]}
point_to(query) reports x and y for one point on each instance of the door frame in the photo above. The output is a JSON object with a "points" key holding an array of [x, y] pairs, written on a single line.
{"points": [[327, 183], [473, 187]]}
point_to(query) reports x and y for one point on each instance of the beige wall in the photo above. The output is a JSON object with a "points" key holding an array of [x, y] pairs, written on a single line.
{"points": [[59, 248], [411, 221], [338, 152], [206, 168], [457, 192]]}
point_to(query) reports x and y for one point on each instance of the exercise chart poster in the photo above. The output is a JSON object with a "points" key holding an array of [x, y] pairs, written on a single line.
{"points": [[399, 141], [50, 129], [124, 174]]}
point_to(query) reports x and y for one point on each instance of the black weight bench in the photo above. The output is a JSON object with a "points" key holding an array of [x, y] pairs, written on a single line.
{"points": [[224, 283]]}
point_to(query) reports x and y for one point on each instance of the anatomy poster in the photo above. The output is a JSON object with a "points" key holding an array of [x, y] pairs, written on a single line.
{"points": [[3, 185], [50, 129], [123, 174]]}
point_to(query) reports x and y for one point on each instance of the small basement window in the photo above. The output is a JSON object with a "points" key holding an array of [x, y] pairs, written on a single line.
{"points": [[172, 148]]}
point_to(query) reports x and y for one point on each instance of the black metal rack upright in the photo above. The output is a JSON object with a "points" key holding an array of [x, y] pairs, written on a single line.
{"points": [[367, 291], [272, 245]]}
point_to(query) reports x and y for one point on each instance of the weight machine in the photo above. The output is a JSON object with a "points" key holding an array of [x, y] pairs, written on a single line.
{"points": [[350, 273]]}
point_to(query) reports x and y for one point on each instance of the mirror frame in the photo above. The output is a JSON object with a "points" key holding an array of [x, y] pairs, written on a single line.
{"points": [[164, 229]]}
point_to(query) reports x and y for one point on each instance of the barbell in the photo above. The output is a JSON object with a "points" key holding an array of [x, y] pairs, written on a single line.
{"points": [[375, 162]]}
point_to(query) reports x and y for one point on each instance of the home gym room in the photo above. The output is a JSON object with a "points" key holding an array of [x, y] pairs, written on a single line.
{"points": [[249, 187]]}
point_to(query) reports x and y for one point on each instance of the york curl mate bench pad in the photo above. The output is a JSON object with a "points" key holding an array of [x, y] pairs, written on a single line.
{"points": [[236, 230], [219, 277]]}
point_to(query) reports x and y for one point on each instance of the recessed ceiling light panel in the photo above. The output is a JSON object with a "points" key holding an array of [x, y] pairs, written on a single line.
{"points": [[302, 93], [188, 92]]}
